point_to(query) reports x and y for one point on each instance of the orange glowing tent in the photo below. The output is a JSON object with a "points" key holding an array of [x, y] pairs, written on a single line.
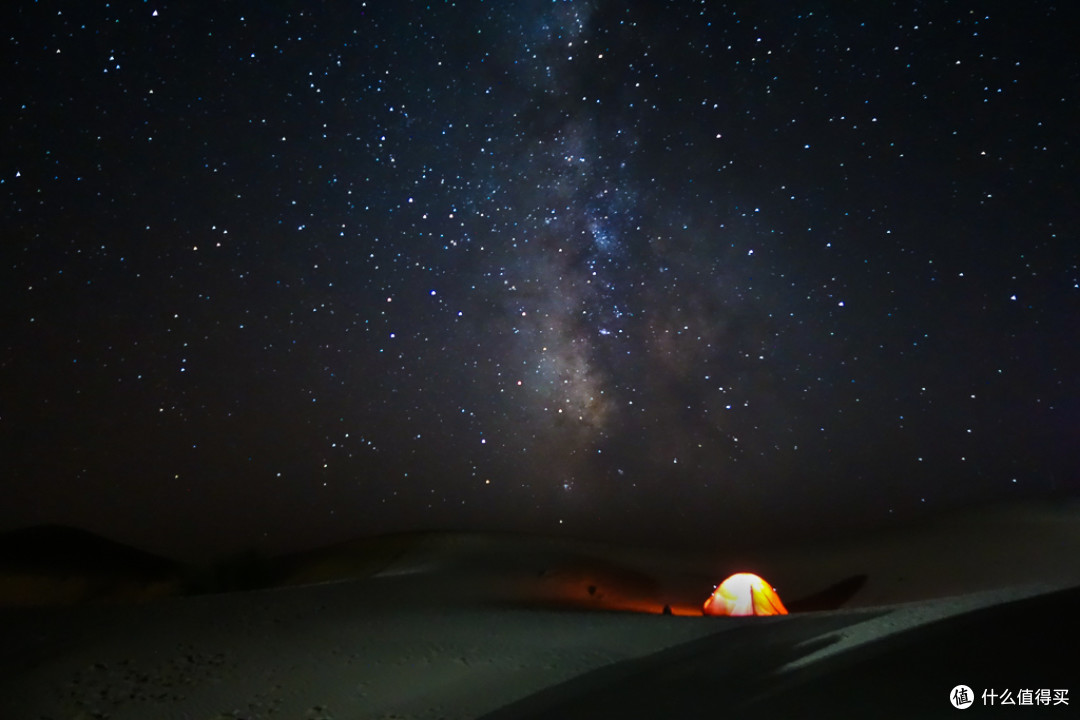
{"points": [[744, 594]]}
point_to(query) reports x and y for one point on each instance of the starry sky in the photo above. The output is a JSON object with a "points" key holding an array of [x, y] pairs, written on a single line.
{"points": [[278, 274]]}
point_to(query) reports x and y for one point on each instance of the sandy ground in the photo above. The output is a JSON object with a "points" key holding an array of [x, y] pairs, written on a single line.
{"points": [[503, 626]]}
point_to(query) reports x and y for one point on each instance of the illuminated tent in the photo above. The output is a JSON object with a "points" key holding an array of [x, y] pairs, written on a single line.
{"points": [[744, 594]]}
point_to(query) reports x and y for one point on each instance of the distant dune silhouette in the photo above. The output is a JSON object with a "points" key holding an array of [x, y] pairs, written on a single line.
{"points": [[61, 565], [65, 549]]}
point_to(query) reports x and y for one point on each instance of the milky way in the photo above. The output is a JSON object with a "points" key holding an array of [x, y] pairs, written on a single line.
{"points": [[278, 276]]}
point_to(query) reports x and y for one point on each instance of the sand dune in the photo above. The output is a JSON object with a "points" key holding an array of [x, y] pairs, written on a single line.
{"points": [[57, 565], [470, 625]]}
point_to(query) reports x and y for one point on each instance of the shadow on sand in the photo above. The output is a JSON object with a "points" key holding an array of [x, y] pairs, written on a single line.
{"points": [[1011, 646]]}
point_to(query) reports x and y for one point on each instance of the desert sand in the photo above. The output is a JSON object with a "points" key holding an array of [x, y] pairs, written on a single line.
{"points": [[460, 625]]}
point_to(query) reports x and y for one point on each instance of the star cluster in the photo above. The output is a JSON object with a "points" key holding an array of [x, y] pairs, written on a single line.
{"points": [[278, 275]]}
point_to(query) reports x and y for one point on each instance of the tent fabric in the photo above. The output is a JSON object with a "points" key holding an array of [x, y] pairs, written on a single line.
{"points": [[744, 594]]}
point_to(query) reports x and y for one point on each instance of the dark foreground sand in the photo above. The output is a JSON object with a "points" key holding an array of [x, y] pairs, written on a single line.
{"points": [[466, 626]]}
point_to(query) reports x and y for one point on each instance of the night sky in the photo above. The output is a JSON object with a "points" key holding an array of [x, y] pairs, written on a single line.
{"points": [[277, 274]]}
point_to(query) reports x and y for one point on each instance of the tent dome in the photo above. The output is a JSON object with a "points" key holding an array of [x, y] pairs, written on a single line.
{"points": [[744, 594]]}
